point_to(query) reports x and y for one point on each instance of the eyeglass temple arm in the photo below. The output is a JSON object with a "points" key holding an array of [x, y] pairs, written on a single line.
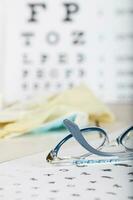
{"points": [[75, 131]]}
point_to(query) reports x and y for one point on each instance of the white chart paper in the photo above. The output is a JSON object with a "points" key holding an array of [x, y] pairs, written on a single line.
{"points": [[31, 178]]}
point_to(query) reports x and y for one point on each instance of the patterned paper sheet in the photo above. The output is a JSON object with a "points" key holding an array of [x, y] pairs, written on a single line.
{"points": [[32, 178]]}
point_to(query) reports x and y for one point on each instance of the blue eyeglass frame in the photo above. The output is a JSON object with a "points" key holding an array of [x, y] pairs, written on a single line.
{"points": [[77, 134]]}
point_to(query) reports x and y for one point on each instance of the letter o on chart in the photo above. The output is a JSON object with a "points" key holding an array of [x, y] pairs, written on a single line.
{"points": [[52, 38]]}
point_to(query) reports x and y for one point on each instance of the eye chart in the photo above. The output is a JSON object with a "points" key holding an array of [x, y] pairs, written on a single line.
{"points": [[52, 45]]}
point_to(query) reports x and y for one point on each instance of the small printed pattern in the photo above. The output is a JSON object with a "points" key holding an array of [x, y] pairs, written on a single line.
{"points": [[32, 178]]}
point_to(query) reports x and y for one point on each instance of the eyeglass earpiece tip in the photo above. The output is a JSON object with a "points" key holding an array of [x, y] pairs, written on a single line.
{"points": [[68, 122], [65, 120]]}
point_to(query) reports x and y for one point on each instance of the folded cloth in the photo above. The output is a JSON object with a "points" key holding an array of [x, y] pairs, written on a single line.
{"points": [[78, 101]]}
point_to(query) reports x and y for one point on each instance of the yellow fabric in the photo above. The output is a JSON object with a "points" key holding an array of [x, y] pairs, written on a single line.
{"points": [[22, 118]]}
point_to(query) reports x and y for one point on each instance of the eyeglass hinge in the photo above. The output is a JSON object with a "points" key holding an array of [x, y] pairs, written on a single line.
{"points": [[50, 157]]}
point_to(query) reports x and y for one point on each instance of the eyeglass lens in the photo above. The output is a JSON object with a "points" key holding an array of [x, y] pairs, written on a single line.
{"points": [[73, 149], [128, 140]]}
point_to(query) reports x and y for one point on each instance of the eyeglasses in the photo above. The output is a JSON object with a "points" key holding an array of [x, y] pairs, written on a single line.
{"points": [[92, 140]]}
